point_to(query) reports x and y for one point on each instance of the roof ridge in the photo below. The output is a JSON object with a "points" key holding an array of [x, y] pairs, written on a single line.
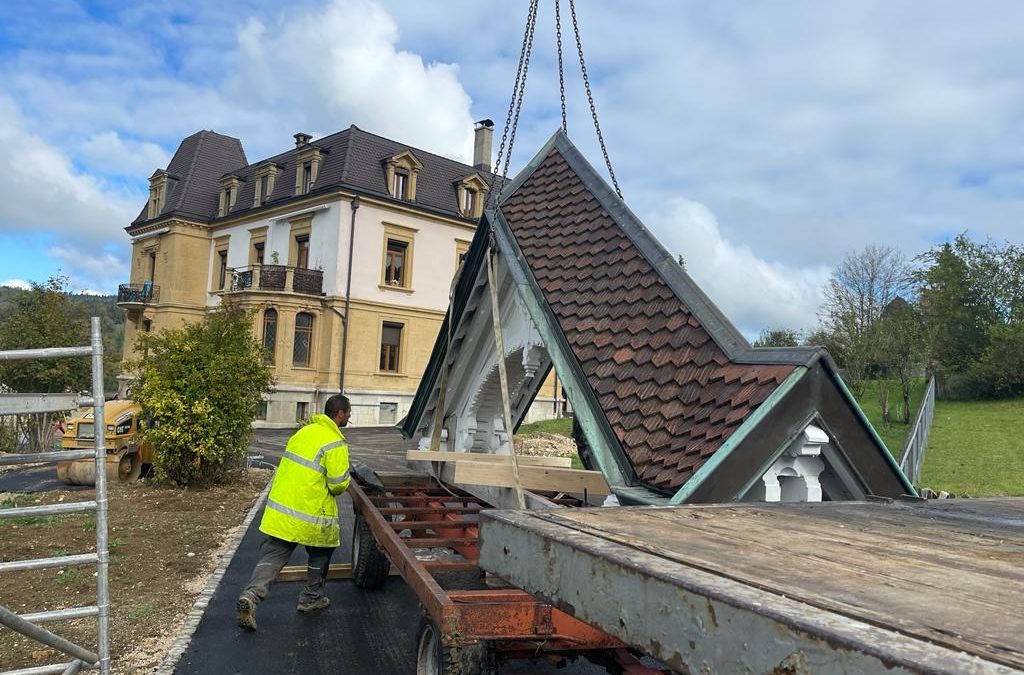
{"points": [[191, 172], [348, 154], [415, 149]]}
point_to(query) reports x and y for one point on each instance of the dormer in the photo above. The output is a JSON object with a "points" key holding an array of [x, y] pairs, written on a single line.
{"points": [[470, 191], [401, 170], [307, 167], [264, 178], [157, 193], [228, 194]]}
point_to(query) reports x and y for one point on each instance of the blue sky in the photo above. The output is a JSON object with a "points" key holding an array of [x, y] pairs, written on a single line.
{"points": [[762, 141]]}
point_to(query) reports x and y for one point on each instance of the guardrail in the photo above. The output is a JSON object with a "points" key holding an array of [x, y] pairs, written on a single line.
{"points": [[27, 624], [913, 450], [277, 278], [138, 294]]}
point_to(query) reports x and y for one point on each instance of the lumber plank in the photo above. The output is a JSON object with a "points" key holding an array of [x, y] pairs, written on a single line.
{"points": [[532, 477], [531, 460], [335, 571]]}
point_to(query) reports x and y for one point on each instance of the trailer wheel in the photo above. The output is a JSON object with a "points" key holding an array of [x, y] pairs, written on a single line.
{"points": [[433, 658], [370, 566]]}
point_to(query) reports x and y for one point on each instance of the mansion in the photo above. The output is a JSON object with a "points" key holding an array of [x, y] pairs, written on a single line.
{"points": [[344, 248]]}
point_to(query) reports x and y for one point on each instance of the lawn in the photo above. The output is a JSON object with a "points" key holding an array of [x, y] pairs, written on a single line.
{"points": [[561, 426], [976, 448], [893, 435]]}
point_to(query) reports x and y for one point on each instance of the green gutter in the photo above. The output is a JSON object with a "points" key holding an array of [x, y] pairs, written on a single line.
{"points": [[874, 434], [763, 410]]}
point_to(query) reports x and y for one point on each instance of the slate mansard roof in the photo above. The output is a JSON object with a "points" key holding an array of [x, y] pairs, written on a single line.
{"points": [[670, 379], [352, 158]]}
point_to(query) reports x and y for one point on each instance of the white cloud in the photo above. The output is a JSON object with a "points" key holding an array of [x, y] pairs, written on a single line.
{"points": [[752, 292], [90, 268], [41, 190], [108, 153], [16, 283], [323, 70]]}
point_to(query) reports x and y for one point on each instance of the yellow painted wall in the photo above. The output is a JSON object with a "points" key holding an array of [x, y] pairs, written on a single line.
{"points": [[419, 331]]}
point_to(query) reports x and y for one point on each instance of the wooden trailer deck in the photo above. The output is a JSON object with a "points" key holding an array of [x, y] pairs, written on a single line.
{"points": [[836, 587]]}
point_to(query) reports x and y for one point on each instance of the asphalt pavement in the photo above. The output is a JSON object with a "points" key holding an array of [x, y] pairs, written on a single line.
{"points": [[361, 633]]}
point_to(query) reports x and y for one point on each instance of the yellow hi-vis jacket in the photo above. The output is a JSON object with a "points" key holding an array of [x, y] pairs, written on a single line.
{"points": [[301, 506]]}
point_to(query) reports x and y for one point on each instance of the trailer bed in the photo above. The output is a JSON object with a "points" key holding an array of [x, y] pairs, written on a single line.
{"points": [[832, 587]]}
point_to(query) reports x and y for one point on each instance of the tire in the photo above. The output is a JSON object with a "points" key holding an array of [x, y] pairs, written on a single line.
{"points": [[370, 566], [129, 468], [434, 658]]}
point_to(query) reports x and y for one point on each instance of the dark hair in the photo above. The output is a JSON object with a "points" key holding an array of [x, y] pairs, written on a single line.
{"points": [[335, 404]]}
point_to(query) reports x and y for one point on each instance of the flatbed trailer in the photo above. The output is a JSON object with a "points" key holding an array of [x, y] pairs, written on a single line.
{"points": [[835, 587], [428, 530]]}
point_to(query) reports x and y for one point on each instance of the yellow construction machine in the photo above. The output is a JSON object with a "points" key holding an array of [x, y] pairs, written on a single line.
{"points": [[126, 454]]}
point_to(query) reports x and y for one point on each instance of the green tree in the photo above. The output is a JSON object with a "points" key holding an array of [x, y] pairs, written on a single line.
{"points": [[200, 387], [778, 337], [860, 289], [43, 317], [900, 354]]}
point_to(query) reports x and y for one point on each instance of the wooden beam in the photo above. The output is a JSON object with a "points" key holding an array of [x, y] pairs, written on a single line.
{"points": [[532, 477], [530, 460], [335, 571]]}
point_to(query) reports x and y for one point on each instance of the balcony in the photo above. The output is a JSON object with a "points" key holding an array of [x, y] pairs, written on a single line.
{"points": [[135, 296], [277, 278]]}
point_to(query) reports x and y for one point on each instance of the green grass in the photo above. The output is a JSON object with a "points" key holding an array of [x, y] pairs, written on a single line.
{"points": [[561, 426], [976, 448], [25, 499], [893, 435]]}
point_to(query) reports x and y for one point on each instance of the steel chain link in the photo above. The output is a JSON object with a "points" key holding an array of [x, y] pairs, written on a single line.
{"points": [[561, 69], [590, 98]]}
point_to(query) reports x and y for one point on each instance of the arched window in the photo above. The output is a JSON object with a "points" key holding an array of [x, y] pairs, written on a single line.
{"points": [[303, 339], [270, 333]]}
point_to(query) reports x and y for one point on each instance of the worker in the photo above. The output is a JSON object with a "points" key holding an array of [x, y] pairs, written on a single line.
{"points": [[301, 509]]}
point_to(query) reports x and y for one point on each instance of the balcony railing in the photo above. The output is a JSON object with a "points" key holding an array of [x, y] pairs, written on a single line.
{"points": [[138, 294], [277, 278]]}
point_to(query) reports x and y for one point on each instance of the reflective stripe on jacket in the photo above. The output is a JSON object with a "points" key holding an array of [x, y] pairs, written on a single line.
{"points": [[301, 505]]}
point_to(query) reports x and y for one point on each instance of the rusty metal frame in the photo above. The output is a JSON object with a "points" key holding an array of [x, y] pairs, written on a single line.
{"points": [[520, 625]]}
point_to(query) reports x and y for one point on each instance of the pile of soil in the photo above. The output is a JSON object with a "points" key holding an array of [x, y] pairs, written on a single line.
{"points": [[164, 544]]}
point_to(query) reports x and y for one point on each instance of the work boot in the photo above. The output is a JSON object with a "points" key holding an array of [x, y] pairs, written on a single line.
{"points": [[246, 613], [314, 604]]}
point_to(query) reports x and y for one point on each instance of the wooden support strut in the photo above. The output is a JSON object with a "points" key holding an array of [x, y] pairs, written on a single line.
{"points": [[506, 407]]}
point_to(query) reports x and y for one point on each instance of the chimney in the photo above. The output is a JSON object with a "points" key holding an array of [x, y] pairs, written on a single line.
{"points": [[482, 142], [302, 139]]}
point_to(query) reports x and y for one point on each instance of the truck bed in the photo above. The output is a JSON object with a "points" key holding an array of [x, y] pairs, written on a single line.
{"points": [[833, 587]]}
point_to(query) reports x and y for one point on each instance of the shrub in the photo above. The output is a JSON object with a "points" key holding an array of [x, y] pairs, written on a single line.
{"points": [[200, 387]]}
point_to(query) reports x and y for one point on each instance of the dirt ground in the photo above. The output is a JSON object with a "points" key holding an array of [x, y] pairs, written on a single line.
{"points": [[164, 545], [545, 444]]}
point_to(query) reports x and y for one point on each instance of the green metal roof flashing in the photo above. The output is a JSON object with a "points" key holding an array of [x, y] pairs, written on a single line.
{"points": [[763, 410], [874, 434]]}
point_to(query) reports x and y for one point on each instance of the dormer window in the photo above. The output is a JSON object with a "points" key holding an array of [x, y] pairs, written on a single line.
{"points": [[400, 185], [228, 195], [468, 201], [400, 171], [307, 167], [157, 193], [470, 191], [265, 176]]}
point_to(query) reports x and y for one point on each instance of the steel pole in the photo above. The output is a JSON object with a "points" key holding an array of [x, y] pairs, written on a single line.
{"points": [[29, 629], [102, 554]]}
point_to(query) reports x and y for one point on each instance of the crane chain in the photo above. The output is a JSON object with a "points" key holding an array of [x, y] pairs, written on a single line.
{"points": [[590, 98], [516, 101], [561, 69]]}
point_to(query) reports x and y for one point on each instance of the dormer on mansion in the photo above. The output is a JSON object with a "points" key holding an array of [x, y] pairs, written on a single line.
{"points": [[345, 247]]}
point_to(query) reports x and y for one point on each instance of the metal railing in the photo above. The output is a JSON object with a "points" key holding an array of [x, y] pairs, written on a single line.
{"points": [[138, 294], [28, 624], [914, 449], [277, 278]]}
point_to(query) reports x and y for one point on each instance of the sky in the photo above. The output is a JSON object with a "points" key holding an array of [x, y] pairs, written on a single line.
{"points": [[760, 141]]}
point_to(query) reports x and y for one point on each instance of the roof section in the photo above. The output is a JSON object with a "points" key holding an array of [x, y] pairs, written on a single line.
{"points": [[351, 158], [194, 174], [670, 393]]}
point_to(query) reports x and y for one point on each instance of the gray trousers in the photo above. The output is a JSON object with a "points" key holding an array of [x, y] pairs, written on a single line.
{"points": [[274, 555]]}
